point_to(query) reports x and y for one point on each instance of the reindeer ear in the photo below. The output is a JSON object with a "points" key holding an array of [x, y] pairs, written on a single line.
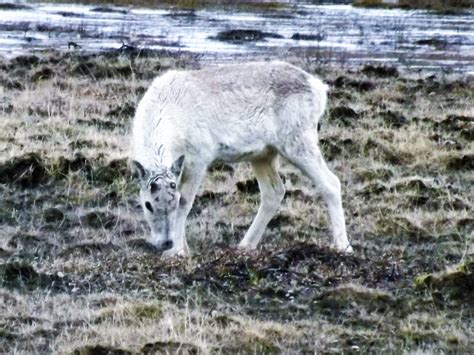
{"points": [[177, 166], [138, 171]]}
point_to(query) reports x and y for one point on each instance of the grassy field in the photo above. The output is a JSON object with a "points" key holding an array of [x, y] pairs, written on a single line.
{"points": [[77, 275]]}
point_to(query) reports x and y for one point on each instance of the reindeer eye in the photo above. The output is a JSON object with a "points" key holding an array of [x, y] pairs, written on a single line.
{"points": [[172, 185], [148, 206]]}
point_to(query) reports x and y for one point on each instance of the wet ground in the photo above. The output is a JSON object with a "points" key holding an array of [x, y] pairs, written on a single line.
{"points": [[77, 274], [340, 35]]}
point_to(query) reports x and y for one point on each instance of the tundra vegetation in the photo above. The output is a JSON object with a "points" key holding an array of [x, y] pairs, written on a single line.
{"points": [[107, 5], [437, 5], [77, 275]]}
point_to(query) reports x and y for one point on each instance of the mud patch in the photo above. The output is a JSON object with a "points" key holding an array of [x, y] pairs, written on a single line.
{"points": [[63, 166], [41, 74], [31, 243], [460, 162], [23, 276], [100, 123], [249, 187], [24, 61], [169, 347], [333, 147], [394, 119], [99, 219], [282, 219], [298, 194], [101, 350], [344, 115], [455, 284], [380, 71], [144, 246], [362, 86], [126, 110], [26, 171], [111, 171]]}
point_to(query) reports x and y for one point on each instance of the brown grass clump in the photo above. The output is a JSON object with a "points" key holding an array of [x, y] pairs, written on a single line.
{"points": [[78, 276]]}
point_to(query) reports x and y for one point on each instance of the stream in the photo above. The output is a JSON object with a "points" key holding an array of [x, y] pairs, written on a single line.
{"points": [[338, 35]]}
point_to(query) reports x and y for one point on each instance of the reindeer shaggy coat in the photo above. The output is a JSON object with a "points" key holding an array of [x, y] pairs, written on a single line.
{"points": [[245, 112]]}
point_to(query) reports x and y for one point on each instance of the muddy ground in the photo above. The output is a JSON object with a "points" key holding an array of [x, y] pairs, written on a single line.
{"points": [[77, 275]]}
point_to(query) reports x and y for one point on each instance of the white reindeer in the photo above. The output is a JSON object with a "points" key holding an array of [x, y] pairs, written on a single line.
{"points": [[244, 112]]}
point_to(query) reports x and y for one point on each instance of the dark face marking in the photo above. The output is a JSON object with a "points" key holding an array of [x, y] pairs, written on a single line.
{"points": [[154, 188], [148, 206], [160, 198]]}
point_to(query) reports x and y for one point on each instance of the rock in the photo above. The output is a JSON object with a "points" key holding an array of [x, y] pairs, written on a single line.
{"points": [[107, 9], [243, 36], [307, 37]]}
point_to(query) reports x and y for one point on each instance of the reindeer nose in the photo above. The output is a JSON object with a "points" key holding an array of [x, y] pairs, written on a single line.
{"points": [[167, 245]]}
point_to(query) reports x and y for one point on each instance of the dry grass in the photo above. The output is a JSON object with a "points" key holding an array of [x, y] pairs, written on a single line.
{"points": [[248, 5], [78, 277], [438, 5]]}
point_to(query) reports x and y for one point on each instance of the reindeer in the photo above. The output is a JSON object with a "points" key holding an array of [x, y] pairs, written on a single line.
{"points": [[244, 112]]}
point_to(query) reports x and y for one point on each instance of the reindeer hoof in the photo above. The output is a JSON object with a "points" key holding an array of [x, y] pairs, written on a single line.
{"points": [[346, 249], [174, 253]]}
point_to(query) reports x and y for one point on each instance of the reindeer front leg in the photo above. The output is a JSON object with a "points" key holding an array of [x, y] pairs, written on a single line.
{"points": [[190, 180]]}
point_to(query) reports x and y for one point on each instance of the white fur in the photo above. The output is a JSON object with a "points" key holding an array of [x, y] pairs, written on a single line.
{"points": [[251, 112]]}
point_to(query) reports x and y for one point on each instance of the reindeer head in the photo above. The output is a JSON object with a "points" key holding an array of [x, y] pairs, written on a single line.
{"points": [[159, 197]]}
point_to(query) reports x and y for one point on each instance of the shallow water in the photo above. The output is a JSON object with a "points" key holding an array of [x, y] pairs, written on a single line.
{"points": [[347, 36]]}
